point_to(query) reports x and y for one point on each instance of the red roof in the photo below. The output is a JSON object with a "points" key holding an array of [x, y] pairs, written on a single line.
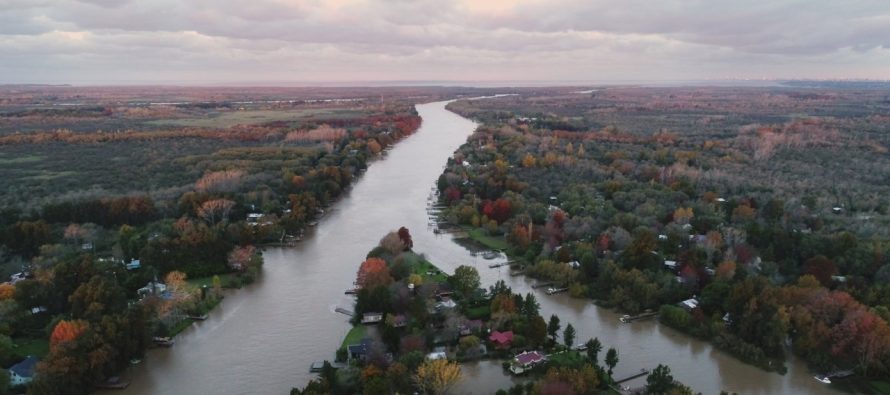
{"points": [[501, 338]]}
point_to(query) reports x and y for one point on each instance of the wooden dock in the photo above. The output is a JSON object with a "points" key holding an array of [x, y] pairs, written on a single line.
{"points": [[344, 311], [642, 372], [626, 319]]}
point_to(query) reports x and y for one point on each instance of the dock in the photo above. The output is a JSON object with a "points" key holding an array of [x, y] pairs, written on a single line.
{"points": [[344, 311], [351, 291], [642, 373], [497, 265], [551, 291], [626, 319]]}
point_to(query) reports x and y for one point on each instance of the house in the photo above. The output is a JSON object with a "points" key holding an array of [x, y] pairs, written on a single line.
{"points": [[689, 304], [360, 350], [399, 321], [438, 353], [372, 318], [501, 340], [254, 218], [525, 361], [153, 287], [23, 372], [672, 265]]}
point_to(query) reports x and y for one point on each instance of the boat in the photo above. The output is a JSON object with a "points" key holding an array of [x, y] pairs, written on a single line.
{"points": [[198, 317], [135, 361], [490, 255], [823, 379], [551, 291], [163, 341], [113, 383]]}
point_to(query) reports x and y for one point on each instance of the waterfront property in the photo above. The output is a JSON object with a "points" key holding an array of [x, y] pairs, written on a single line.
{"points": [[526, 361]]}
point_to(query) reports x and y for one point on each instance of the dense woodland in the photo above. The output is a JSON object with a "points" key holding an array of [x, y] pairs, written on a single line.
{"points": [[769, 206], [111, 240]]}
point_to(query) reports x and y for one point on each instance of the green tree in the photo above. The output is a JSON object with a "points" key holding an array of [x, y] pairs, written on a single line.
{"points": [[568, 336], [593, 350], [611, 359], [537, 330], [553, 327], [465, 280], [659, 381], [530, 306]]}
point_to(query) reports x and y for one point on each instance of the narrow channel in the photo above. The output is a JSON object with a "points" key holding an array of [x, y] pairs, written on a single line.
{"points": [[263, 338]]}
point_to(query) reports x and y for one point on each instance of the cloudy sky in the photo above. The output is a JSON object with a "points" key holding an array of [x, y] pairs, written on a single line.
{"points": [[229, 41]]}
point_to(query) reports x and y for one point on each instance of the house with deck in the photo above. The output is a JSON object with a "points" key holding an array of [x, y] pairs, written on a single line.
{"points": [[526, 361]]}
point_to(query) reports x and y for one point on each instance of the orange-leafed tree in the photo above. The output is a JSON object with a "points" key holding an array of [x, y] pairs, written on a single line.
{"points": [[373, 273], [66, 331], [7, 291], [215, 210]]}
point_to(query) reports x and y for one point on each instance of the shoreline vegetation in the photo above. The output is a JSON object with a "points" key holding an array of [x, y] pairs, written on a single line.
{"points": [[679, 220], [413, 325], [104, 277]]}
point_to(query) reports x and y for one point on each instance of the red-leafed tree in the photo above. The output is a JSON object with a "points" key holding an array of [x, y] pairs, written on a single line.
{"points": [[66, 331], [821, 268], [405, 236], [373, 273]]}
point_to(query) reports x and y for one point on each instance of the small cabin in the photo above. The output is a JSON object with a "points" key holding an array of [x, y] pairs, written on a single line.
{"points": [[372, 318]]}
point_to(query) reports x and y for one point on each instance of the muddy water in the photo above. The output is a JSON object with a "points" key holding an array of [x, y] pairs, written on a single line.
{"points": [[263, 338]]}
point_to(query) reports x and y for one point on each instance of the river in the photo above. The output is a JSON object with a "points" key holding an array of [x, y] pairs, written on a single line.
{"points": [[262, 338]]}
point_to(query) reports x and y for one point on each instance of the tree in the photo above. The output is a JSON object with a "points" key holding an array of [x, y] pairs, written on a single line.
{"points": [[437, 376], [372, 273], [537, 330], [593, 350], [530, 306], [7, 291], [67, 331], [393, 243], [553, 327], [405, 237], [465, 280], [240, 257], [215, 210], [611, 359], [568, 336], [660, 381]]}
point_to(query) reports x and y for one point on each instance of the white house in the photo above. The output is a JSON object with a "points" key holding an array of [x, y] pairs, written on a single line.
{"points": [[23, 372]]}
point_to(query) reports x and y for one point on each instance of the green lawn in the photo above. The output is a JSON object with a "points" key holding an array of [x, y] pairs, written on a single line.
{"points": [[425, 266], [208, 281], [30, 346], [493, 242], [355, 335]]}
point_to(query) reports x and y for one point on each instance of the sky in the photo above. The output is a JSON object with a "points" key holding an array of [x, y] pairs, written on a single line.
{"points": [[269, 41]]}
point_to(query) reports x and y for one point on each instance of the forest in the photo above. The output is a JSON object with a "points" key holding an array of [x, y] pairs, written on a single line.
{"points": [[127, 211], [763, 210]]}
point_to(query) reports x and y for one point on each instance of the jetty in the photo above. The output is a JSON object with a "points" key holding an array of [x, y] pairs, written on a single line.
{"points": [[497, 265], [642, 372], [351, 291], [551, 291], [344, 311], [626, 319]]}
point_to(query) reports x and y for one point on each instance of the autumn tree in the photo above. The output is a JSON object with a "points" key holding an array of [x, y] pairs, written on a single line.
{"points": [[241, 257], [372, 273], [7, 291], [215, 210], [437, 376], [66, 331], [405, 237], [393, 243], [220, 181]]}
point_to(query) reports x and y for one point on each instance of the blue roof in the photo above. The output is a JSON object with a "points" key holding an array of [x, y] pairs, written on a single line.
{"points": [[25, 368]]}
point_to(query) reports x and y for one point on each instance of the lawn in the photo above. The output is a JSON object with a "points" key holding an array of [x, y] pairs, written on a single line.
{"points": [[424, 266], [30, 346], [224, 279], [493, 242], [355, 335]]}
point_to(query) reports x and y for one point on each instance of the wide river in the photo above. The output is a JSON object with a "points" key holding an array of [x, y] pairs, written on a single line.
{"points": [[262, 339]]}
